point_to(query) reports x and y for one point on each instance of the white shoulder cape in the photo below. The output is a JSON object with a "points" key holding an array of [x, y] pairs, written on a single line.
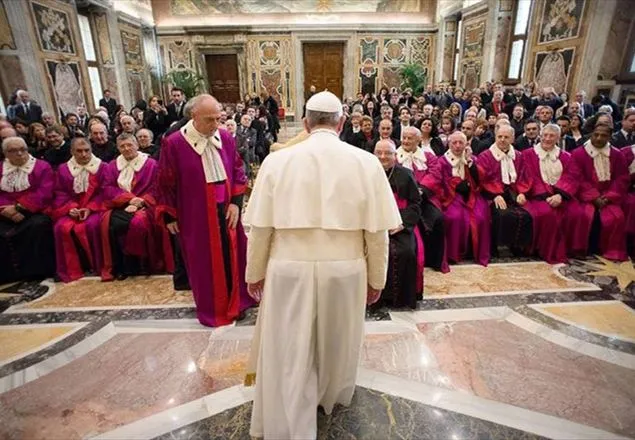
{"points": [[322, 183]]}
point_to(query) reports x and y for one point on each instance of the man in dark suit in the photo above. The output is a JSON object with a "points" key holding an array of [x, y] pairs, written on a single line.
{"points": [[27, 110], [82, 118], [626, 135], [110, 104], [497, 106], [517, 119], [176, 107], [586, 109], [262, 147], [530, 137], [519, 97], [567, 142]]}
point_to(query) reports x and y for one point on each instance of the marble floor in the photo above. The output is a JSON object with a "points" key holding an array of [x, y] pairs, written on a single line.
{"points": [[517, 350]]}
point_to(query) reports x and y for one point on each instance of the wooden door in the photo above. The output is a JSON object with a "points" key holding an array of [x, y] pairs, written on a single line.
{"points": [[324, 67], [222, 74]]}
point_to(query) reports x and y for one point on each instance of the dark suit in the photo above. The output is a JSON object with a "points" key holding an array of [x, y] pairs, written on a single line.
{"points": [[174, 114], [370, 145], [105, 152], [523, 143], [524, 100], [567, 143], [83, 125], [619, 140], [518, 126], [491, 110], [32, 112], [110, 106], [587, 110]]}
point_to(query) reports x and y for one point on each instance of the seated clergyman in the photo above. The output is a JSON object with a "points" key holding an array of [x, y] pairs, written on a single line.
{"points": [[26, 234]]}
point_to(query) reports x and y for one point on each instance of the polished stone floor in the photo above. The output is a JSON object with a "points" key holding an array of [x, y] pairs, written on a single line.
{"points": [[516, 350]]}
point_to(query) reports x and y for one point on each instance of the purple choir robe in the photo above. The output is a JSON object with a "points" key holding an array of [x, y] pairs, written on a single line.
{"points": [[88, 232], [140, 240], [36, 199], [185, 196], [431, 213], [467, 222], [629, 200], [581, 181], [27, 248], [548, 239]]}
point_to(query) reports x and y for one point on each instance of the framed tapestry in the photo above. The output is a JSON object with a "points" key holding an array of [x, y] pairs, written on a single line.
{"points": [[53, 28], [552, 69], [561, 20], [65, 82]]}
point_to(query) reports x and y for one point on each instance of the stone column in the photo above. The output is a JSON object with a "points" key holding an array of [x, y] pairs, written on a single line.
{"points": [[489, 46], [598, 19], [123, 91], [441, 48]]}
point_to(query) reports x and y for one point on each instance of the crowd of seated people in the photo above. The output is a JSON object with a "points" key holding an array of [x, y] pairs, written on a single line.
{"points": [[494, 169]]}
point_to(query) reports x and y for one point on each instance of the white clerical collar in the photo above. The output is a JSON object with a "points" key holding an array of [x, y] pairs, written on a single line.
{"points": [[412, 159], [16, 178], [127, 170], [500, 154], [544, 154], [92, 167], [323, 130], [197, 140], [593, 151]]}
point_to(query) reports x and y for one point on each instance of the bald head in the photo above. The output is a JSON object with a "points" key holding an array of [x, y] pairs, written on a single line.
{"points": [[386, 152], [206, 114], [7, 132], [411, 137]]}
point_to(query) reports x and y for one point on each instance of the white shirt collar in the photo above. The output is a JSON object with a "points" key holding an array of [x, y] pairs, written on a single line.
{"points": [[208, 147], [458, 164], [601, 160], [127, 170], [413, 160], [197, 140], [506, 160], [80, 173]]}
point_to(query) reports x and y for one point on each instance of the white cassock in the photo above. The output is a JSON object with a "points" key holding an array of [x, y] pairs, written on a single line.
{"points": [[319, 214]]}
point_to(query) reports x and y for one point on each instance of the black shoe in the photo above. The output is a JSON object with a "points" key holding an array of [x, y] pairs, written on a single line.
{"points": [[121, 277], [182, 287]]}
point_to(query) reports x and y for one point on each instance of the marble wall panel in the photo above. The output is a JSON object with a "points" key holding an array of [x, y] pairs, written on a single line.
{"points": [[103, 38], [271, 66], [6, 35], [472, 49], [504, 28], [11, 75], [53, 29], [381, 56], [619, 36]]}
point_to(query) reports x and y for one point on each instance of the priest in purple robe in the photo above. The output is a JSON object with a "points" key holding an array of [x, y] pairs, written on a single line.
{"points": [[128, 228], [498, 171], [26, 232], [598, 177], [629, 202], [465, 211], [543, 166], [77, 210], [201, 186], [421, 161]]}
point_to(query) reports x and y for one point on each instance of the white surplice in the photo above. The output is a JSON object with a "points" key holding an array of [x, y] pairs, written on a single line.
{"points": [[319, 215]]}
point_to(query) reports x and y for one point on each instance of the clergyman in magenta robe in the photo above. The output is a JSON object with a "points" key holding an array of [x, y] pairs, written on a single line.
{"points": [[465, 211], [77, 210], [201, 187], [598, 177], [26, 231], [543, 167], [499, 168], [128, 228], [629, 202]]}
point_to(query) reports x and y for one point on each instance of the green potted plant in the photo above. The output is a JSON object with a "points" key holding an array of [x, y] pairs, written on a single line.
{"points": [[414, 77], [186, 79]]}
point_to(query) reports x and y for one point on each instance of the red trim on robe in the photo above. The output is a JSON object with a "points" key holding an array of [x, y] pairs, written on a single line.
{"points": [[238, 190]]}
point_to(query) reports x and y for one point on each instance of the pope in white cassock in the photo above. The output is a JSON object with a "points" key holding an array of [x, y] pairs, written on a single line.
{"points": [[320, 213]]}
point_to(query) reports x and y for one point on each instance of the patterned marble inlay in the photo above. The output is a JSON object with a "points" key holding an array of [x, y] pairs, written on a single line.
{"points": [[499, 279], [130, 377], [612, 319], [372, 415], [496, 360], [91, 293], [17, 340]]}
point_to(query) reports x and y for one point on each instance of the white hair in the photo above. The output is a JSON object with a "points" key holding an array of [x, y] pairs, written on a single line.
{"points": [[11, 141], [606, 109], [146, 130], [507, 127], [330, 119], [413, 130], [555, 128]]}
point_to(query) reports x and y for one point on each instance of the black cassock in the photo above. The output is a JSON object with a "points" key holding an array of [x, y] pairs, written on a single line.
{"points": [[401, 282]]}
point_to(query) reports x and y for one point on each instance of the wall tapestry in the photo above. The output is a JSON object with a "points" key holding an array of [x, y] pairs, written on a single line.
{"points": [[473, 40], [65, 81], [551, 69], [11, 77], [132, 48], [53, 29], [561, 20]]}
